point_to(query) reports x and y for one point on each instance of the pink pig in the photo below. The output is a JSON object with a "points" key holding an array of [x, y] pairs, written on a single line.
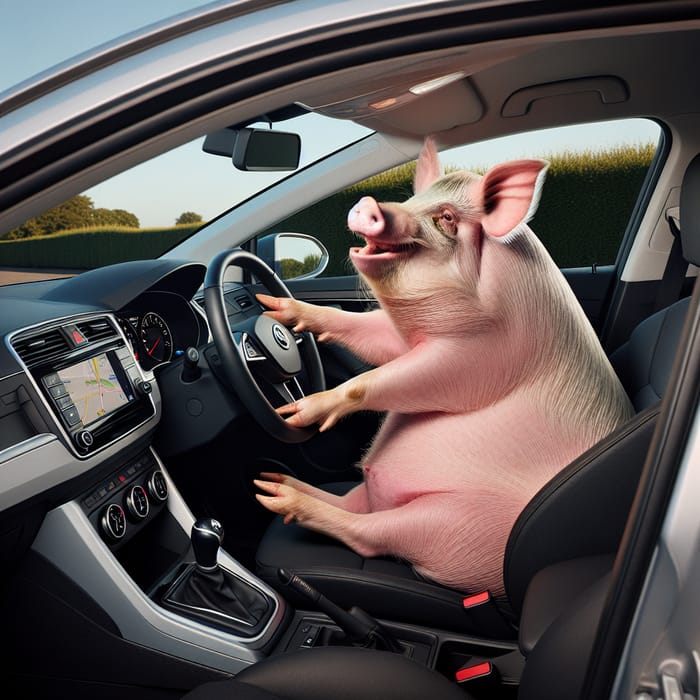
{"points": [[491, 375]]}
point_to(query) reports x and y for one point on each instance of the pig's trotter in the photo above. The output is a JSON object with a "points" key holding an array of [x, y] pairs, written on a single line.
{"points": [[273, 476], [292, 504], [325, 408], [281, 500]]}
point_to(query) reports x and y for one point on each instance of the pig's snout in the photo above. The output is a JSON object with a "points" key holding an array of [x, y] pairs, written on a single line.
{"points": [[366, 218]]}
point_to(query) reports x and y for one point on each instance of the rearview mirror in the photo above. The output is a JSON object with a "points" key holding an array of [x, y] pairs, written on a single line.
{"points": [[256, 149]]}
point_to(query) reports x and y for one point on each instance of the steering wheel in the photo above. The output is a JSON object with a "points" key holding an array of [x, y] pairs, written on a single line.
{"points": [[261, 359]]}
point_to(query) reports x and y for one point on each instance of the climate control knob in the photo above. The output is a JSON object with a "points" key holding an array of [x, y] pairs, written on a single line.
{"points": [[137, 502], [158, 486], [113, 522]]}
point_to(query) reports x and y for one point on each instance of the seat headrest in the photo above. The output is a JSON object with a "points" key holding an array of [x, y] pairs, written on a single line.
{"points": [[690, 212]]}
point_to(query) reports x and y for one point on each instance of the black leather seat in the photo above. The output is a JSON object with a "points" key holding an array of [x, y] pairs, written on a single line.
{"points": [[581, 512], [341, 673], [556, 664]]}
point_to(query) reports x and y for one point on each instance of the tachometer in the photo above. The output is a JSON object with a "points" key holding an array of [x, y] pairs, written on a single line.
{"points": [[156, 338]]}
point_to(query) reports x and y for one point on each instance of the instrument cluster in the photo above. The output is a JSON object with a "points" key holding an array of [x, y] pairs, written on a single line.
{"points": [[159, 327]]}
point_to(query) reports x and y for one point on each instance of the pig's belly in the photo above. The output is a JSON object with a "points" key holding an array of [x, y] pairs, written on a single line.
{"points": [[467, 482], [462, 454]]}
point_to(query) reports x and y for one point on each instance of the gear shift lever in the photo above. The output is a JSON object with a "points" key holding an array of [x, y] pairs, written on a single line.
{"points": [[210, 593], [207, 536]]}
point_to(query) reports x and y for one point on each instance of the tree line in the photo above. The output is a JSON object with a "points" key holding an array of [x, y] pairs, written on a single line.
{"points": [[79, 212]]}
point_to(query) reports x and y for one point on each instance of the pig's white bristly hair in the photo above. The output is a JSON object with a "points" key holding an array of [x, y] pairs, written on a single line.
{"points": [[577, 360]]}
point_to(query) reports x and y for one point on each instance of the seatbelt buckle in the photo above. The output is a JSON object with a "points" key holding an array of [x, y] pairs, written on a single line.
{"points": [[503, 669], [475, 671], [473, 601], [485, 615]]}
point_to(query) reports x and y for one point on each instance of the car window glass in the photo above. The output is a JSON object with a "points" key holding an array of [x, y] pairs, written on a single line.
{"points": [[595, 175], [148, 209]]}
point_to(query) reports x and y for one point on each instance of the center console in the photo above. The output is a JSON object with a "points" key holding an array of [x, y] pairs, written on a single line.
{"points": [[162, 578], [127, 541], [129, 511]]}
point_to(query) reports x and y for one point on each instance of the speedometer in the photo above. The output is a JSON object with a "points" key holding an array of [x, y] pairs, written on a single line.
{"points": [[156, 338]]}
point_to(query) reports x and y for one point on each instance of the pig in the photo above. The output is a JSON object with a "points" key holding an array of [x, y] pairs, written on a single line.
{"points": [[492, 378]]}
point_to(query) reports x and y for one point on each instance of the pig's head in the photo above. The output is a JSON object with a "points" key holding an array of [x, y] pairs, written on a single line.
{"points": [[452, 234]]}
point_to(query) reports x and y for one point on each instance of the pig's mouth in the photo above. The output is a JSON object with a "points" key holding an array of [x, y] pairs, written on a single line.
{"points": [[383, 249]]}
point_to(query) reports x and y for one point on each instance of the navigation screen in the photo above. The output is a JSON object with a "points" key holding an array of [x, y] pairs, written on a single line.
{"points": [[94, 388]]}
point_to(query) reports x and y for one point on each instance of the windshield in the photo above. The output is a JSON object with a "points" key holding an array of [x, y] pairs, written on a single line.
{"points": [[148, 209]]}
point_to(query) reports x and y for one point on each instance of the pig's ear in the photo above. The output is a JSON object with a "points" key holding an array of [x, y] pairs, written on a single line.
{"points": [[427, 168], [510, 194]]}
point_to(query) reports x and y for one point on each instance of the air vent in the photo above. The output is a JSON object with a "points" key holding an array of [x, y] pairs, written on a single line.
{"points": [[41, 347], [96, 329]]}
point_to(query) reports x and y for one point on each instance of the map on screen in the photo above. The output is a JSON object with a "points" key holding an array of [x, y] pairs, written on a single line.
{"points": [[94, 388]]}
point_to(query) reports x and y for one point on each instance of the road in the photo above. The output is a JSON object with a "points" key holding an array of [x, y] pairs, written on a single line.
{"points": [[15, 276]]}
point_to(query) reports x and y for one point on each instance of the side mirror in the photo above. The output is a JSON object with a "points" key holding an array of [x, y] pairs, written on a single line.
{"points": [[257, 150], [293, 256]]}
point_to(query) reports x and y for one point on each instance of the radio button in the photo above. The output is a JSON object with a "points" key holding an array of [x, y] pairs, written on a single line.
{"points": [[57, 390], [124, 354], [71, 416], [51, 379], [64, 402]]}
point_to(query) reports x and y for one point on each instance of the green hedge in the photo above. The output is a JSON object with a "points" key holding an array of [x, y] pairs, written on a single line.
{"points": [[586, 204], [83, 249]]}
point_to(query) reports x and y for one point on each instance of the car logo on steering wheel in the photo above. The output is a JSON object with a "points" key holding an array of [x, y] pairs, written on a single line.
{"points": [[280, 336]]}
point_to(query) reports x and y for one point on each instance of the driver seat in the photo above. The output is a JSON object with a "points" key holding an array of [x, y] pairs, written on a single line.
{"points": [[581, 512]]}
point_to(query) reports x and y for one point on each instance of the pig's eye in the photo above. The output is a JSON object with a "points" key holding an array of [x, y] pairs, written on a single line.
{"points": [[446, 222]]}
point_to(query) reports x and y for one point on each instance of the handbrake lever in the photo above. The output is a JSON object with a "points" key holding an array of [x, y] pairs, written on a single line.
{"points": [[359, 627]]}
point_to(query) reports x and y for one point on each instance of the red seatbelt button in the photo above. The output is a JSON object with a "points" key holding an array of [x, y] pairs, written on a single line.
{"points": [[472, 601], [469, 673]]}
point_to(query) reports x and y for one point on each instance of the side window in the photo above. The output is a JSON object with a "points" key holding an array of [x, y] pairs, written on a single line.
{"points": [[595, 176]]}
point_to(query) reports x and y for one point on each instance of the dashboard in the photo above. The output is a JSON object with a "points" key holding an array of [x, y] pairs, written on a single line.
{"points": [[77, 363]]}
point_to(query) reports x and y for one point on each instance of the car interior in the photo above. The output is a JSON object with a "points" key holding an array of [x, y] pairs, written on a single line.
{"points": [[136, 561]]}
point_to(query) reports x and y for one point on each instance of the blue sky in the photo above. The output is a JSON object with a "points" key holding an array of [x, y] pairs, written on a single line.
{"points": [[38, 34]]}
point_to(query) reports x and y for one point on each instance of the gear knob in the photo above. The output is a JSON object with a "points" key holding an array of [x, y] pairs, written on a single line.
{"points": [[207, 536]]}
